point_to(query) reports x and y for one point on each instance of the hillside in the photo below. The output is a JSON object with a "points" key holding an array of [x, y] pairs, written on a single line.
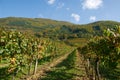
{"points": [[57, 30], [31, 22]]}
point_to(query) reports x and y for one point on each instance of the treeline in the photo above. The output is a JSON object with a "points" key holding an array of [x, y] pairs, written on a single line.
{"points": [[56, 29], [102, 56]]}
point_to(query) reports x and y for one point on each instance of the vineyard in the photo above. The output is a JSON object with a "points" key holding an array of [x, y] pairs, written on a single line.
{"points": [[26, 57], [21, 55], [102, 56]]}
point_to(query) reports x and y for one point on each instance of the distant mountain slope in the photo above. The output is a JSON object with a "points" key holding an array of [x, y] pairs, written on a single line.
{"points": [[105, 24], [57, 29], [38, 22]]}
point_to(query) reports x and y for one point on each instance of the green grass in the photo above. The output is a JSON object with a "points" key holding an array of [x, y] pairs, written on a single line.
{"points": [[78, 42], [66, 70]]}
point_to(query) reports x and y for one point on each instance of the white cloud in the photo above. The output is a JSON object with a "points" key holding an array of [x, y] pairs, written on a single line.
{"points": [[60, 5], [75, 16], [68, 9], [92, 18], [92, 4], [51, 2], [40, 15]]}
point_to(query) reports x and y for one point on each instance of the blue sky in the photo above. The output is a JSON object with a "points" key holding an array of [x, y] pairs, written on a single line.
{"points": [[75, 11]]}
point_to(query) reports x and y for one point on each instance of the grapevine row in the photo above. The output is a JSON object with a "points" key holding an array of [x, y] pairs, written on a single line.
{"points": [[101, 54], [22, 51]]}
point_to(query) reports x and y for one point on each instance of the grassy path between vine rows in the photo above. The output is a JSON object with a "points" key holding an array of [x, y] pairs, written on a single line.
{"points": [[70, 68], [80, 67], [46, 67]]}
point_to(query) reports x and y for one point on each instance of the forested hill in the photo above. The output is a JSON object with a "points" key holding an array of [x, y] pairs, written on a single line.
{"points": [[57, 30], [31, 22]]}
